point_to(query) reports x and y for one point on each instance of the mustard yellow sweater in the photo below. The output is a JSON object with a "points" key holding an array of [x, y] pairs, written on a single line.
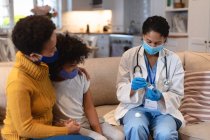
{"points": [[30, 98]]}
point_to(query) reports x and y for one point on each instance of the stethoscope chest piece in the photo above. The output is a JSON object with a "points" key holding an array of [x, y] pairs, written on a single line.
{"points": [[137, 68], [166, 83]]}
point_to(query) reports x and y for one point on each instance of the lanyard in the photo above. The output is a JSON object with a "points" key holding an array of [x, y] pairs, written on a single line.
{"points": [[151, 71]]}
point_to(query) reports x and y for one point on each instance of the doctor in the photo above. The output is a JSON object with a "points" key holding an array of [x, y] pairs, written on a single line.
{"points": [[150, 86]]}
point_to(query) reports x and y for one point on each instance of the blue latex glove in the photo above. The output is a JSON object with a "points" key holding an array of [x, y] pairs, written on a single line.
{"points": [[138, 83], [153, 94]]}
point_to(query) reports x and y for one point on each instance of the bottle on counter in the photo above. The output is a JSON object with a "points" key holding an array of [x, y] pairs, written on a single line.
{"points": [[88, 29]]}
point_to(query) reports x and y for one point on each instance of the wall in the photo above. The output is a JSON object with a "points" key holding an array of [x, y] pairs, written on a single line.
{"points": [[157, 7]]}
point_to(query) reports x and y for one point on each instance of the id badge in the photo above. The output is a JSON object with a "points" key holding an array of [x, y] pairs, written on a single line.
{"points": [[150, 104]]}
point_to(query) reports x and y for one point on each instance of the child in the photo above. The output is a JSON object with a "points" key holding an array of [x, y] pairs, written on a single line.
{"points": [[74, 102]]}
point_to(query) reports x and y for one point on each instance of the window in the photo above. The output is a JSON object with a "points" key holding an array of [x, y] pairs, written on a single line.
{"points": [[12, 10], [4, 16], [19, 11]]}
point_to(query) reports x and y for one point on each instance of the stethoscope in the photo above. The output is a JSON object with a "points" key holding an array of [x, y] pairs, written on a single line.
{"points": [[138, 68]]}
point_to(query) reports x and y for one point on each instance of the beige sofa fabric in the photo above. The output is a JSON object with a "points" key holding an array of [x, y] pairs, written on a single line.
{"points": [[103, 73], [102, 110], [198, 131], [182, 57], [197, 61]]}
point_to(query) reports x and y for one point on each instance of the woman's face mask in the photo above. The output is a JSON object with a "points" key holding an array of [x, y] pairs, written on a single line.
{"points": [[152, 50], [35, 57], [69, 75], [51, 59]]}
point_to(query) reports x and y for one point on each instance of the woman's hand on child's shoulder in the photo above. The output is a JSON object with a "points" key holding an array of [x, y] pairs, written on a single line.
{"points": [[83, 70]]}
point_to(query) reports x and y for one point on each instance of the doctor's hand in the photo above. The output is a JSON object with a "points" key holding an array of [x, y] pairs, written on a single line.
{"points": [[153, 94], [138, 83]]}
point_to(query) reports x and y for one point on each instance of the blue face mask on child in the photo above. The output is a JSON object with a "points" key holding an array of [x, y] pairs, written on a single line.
{"points": [[51, 59], [152, 50], [69, 75]]}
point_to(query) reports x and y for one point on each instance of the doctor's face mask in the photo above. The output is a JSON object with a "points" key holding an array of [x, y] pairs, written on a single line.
{"points": [[152, 50], [153, 42]]}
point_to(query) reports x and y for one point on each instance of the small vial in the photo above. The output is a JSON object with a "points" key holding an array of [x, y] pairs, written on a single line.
{"points": [[137, 74]]}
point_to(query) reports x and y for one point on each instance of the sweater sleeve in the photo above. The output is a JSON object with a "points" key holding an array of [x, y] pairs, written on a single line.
{"points": [[19, 107]]}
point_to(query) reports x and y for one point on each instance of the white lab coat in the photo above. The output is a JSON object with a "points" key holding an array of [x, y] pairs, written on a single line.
{"points": [[172, 94]]}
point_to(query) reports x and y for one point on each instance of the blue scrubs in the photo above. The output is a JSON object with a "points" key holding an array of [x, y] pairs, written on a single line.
{"points": [[151, 71], [141, 122]]}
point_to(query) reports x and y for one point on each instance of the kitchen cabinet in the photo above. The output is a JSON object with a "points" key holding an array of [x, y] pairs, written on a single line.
{"points": [[120, 43], [178, 44], [87, 5], [79, 5], [103, 48], [199, 27], [90, 40]]}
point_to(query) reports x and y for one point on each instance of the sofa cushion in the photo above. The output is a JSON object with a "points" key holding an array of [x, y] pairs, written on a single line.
{"points": [[103, 110], [5, 69], [198, 131], [181, 56], [197, 61], [195, 104], [103, 71]]}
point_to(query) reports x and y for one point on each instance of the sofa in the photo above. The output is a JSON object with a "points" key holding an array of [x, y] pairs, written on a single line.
{"points": [[103, 73]]}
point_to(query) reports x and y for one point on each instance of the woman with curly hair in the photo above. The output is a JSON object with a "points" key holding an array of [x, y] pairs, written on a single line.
{"points": [[73, 95], [30, 94]]}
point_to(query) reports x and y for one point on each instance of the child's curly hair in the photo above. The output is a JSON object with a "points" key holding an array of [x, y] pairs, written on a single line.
{"points": [[71, 50]]}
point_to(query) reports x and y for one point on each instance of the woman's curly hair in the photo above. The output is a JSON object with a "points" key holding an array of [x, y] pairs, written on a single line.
{"points": [[157, 24], [71, 50], [31, 33]]}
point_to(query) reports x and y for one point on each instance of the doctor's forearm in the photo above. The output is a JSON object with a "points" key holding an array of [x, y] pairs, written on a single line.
{"points": [[132, 92]]}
